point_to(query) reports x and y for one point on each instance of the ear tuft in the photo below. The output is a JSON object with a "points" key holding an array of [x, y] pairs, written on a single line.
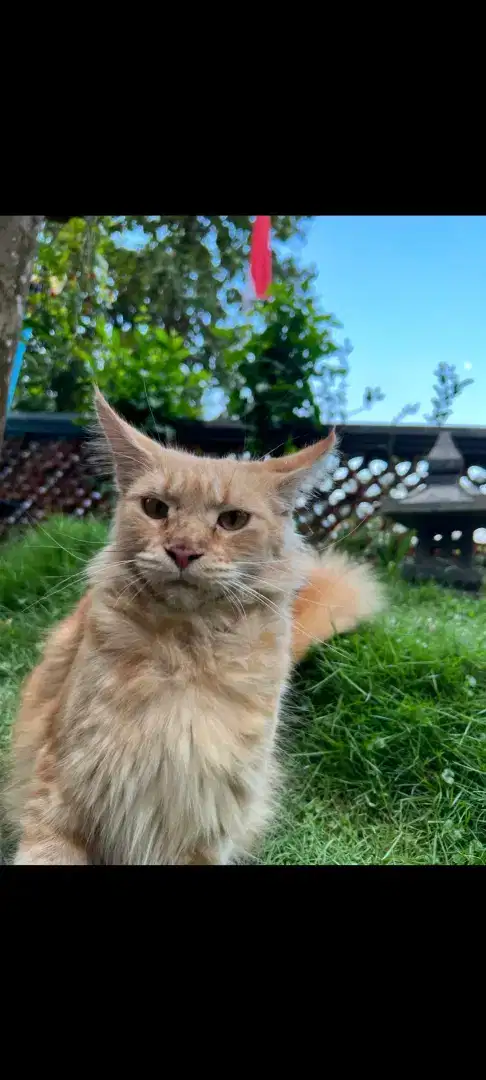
{"points": [[291, 471], [130, 453], [302, 459]]}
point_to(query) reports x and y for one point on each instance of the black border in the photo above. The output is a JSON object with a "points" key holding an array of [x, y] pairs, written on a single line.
{"points": [[255, 924], [337, 165], [323, 130], [306, 890]]}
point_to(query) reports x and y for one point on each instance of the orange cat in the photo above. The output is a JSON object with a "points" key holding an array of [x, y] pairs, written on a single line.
{"points": [[147, 734]]}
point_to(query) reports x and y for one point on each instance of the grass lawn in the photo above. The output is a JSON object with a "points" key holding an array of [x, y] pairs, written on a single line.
{"points": [[385, 737]]}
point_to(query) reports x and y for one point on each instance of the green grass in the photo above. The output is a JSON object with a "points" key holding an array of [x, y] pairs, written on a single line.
{"points": [[385, 737]]}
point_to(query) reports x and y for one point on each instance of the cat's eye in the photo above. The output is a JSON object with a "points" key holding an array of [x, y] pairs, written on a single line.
{"points": [[233, 519], [155, 508]]}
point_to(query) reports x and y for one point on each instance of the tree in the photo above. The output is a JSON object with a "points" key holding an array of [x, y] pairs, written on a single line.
{"points": [[275, 360], [150, 308], [287, 364], [18, 237], [107, 291]]}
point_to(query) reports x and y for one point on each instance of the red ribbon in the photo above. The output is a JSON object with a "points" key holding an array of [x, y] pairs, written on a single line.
{"points": [[261, 256]]}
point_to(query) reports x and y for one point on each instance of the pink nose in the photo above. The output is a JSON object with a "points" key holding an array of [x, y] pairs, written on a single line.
{"points": [[183, 555]]}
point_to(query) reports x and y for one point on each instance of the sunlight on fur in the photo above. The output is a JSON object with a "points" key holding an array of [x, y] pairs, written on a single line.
{"points": [[148, 732]]}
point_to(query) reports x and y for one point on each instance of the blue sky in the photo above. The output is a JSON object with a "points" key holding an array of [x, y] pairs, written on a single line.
{"points": [[409, 292]]}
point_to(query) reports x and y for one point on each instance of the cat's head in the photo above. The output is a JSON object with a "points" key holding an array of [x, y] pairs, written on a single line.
{"points": [[192, 526]]}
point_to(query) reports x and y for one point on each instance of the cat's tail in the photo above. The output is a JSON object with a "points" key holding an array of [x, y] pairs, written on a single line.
{"points": [[339, 594]]}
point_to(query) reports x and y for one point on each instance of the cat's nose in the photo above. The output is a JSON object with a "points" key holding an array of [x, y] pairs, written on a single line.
{"points": [[182, 555]]}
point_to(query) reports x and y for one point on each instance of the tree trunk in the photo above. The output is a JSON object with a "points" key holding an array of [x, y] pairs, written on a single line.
{"points": [[18, 237]]}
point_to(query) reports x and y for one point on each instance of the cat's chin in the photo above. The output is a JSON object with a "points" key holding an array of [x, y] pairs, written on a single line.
{"points": [[179, 594]]}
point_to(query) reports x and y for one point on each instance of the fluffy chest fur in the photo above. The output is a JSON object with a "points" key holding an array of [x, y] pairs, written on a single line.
{"points": [[166, 745]]}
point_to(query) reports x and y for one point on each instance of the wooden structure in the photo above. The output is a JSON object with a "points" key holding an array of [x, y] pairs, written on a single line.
{"points": [[444, 516]]}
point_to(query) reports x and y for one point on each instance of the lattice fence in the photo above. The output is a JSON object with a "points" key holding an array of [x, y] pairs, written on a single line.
{"points": [[352, 492], [38, 479], [43, 477]]}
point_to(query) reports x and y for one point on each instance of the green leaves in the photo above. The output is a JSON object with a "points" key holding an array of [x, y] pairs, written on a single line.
{"points": [[447, 388], [149, 306], [145, 373], [284, 366], [114, 296]]}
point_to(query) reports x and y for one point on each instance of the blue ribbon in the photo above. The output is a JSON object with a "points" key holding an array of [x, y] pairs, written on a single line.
{"points": [[16, 366]]}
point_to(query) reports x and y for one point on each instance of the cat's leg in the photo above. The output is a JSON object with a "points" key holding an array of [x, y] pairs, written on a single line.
{"points": [[42, 846], [49, 832]]}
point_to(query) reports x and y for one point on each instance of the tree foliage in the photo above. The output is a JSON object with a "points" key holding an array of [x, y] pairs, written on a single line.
{"points": [[287, 364], [447, 388], [284, 364], [150, 308], [137, 303]]}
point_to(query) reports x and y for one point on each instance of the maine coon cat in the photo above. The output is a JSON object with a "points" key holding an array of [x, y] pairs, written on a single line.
{"points": [[147, 733]]}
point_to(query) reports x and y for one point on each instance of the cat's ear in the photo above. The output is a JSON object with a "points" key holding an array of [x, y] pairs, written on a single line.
{"points": [[291, 470], [130, 452]]}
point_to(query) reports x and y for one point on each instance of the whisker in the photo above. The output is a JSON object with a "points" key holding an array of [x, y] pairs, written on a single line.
{"points": [[270, 452], [53, 592], [334, 543], [81, 540], [272, 607], [64, 584], [130, 583], [48, 547], [259, 598], [57, 543], [231, 600], [155, 435], [276, 588], [231, 593]]}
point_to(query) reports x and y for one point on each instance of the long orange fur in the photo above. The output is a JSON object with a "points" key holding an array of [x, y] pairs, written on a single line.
{"points": [[147, 733]]}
